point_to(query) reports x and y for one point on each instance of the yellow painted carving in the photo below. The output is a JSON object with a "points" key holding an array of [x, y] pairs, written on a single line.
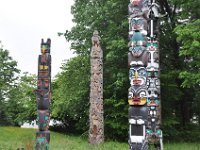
{"points": [[142, 101], [43, 67]]}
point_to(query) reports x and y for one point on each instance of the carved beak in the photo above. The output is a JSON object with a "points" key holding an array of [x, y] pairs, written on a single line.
{"points": [[136, 75]]}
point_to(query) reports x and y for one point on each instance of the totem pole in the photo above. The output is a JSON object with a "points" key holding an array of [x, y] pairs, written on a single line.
{"points": [[43, 94], [143, 60], [96, 131]]}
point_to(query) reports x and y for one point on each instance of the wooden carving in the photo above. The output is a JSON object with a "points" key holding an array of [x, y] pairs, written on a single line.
{"points": [[96, 131]]}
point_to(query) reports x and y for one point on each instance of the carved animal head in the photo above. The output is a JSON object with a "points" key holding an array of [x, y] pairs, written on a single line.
{"points": [[152, 72], [152, 45], [138, 24], [137, 56], [153, 101], [42, 140], [43, 119], [153, 136], [45, 46], [95, 32], [153, 86]]}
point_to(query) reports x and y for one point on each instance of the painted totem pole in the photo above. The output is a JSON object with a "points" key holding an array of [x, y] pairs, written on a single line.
{"points": [[43, 94], [143, 60], [96, 131]]}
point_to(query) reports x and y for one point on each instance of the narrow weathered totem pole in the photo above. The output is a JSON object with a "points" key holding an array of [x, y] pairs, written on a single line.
{"points": [[143, 60], [43, 94], [96, 131]]}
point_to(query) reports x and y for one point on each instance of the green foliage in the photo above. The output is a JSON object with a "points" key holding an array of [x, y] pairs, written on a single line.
{"points": [[189, 39], [8, 70], [22, 101], [26, 87], [179, 78], [71, 94]]}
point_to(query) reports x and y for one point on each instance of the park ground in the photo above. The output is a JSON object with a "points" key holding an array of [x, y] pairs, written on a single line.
{"points": [[12, 138]]}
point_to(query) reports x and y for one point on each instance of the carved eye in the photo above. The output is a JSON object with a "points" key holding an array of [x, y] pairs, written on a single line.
{"points": [[130, 95], [149, 92], [131, 73], [157, 83], [134, 21], [148, 83], [140, 22], [142, 94], [156, 73], [142, 72]]}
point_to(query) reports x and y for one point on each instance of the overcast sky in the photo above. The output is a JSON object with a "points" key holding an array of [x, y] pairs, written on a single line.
{"points": [[24, 22]]}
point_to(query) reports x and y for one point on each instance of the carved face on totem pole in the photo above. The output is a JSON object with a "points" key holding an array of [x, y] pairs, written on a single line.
{"points": [[152, 45], [137, 75], [153, 136], [153, 85], [44, 66], [137, 56], [153, 101], [43, 119], [42, 140], [43, 83], [45, 46], [43, 99], [138, 8], [96, 38], [138, 24], [153, 117], [152, 72], [137, 95]]}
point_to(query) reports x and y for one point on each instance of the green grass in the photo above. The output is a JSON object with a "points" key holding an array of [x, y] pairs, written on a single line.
{"points": [[12, 138]]}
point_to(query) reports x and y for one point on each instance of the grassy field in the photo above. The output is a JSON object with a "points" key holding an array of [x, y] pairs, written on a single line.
{"points": [[12, 138]]}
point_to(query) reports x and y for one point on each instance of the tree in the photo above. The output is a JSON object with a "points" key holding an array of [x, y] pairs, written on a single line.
{"points": [[71, 94], [21, 101], [8, 71], [178, 98]]}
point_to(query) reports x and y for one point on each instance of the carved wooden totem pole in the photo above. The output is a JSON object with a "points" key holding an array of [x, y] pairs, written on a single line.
{"points": [[43, 94], [143, 61], [96, 131]]}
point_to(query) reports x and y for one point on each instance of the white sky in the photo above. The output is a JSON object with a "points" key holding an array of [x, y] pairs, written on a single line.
{"points": [[24, 22]]}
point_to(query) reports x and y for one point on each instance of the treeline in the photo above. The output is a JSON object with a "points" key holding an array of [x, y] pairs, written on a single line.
{"points": [[180, 72], [17, 99]]}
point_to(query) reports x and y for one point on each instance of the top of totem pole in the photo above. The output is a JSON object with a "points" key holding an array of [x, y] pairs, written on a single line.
{"points": [[45, 46], [96, 38], [95, 32]]}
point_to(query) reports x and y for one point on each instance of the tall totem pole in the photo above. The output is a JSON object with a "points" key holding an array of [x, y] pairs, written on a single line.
{"points": [[96, 131], [43, 94], [143, 60]]}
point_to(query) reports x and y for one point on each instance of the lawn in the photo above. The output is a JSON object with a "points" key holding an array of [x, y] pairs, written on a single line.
{"points": [[12, 138]]}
